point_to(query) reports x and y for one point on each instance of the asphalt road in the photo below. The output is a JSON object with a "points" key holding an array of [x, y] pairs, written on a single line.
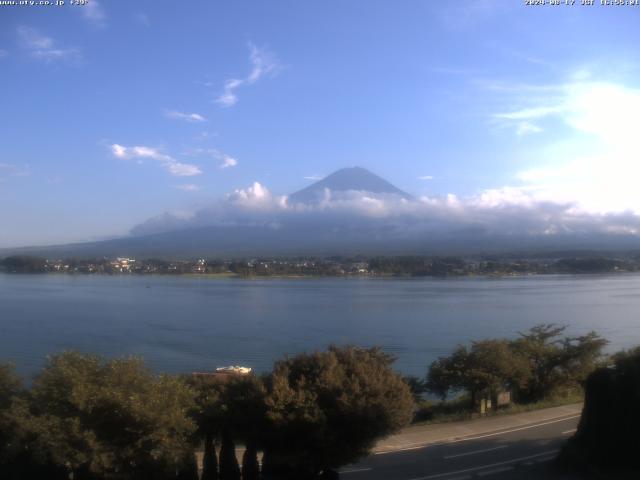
{"points": [[521, 453]]}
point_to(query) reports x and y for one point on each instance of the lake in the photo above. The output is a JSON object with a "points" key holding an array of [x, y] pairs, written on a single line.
{"points": [[187, 323]]}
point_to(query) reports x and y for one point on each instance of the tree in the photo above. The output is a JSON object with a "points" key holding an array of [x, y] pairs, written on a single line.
{"points": [[417, 386], [189, 468], [582, 355], [250, 464], [10, 386], [485, 369], [540, 345], [447, 373], [494, 366], [24, 264], [535, 366], [229, 468], [209, 460], [234, 409], [13, 434], [207, 415], [327, 409], [243, 419], [100, 418], [556, 363]]}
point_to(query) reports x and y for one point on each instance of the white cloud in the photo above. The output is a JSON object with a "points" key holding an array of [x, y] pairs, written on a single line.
{"points": [[526, 128], [530, 113], [256, 198], [94, 13], [595, 167], [228, 162], [262, 63], [426, 177], [314, 177], [45, 48], [229, 98], [500, 211], [189, 187], [182, 169], [256, 191], [187, 117], [167, 162]]}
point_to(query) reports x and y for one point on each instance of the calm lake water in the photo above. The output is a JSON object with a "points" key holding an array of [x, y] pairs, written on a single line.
{"points": [[184, 324]]}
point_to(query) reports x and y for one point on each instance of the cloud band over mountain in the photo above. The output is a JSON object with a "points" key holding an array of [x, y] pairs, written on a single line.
{"points": [[501, 212]]}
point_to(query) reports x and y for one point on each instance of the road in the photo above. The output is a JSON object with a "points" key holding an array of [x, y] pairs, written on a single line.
{"points": [[522, 453]]}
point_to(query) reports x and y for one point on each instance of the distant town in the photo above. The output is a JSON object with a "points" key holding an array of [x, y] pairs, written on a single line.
{"points": [[401, 266]]}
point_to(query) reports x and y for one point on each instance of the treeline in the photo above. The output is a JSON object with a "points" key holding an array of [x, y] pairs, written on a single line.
{"points": [[96, 419], [90, 419], [414, 266], [453, 266]]}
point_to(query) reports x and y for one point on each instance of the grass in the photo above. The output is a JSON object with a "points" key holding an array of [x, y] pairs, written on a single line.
{"points": [[458, 410]]}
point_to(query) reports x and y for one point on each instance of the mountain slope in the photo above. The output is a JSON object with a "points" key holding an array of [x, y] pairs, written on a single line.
{"points": [[324, 239], [346, 179], [254, 229]]}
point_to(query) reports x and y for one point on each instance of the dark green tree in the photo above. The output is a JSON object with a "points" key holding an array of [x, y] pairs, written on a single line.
{"points": [[327, 409], [209, 459], [10, 386], [556, 363], [581, 355], [24, 264], [105, 418], [14, 416], [448, 373], [244, 418], [189, 468], [207, 414], [488, 367], [539, 364], [229, 468], [541, 346], [417, 386], [250, 464], [231, 408]]}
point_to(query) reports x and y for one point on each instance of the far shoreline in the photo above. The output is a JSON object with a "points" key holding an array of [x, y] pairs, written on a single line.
{"points": [[235, 276]]}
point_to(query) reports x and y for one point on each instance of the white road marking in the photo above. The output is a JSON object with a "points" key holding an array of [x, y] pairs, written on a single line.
{"points": [[515, 429], [569, 431], [491, 465], [355, 470], [475, 451], [466, 439], [494, 471], [405, 449]]}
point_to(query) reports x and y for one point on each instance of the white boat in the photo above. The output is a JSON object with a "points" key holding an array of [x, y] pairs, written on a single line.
{"points": [[234, 369]]}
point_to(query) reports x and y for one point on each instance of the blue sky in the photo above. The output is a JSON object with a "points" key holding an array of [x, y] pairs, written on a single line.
{"points": [[117, 111]]}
